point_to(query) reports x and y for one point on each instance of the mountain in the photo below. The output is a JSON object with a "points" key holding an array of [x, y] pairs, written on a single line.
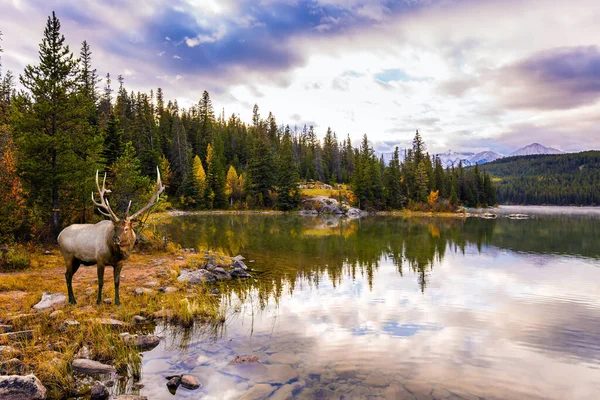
{"points": [[453, 158], [533, 149], [485, 157]]}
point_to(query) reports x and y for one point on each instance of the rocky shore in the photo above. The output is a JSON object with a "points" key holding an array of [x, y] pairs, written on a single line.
{"points": [[51, 349]]}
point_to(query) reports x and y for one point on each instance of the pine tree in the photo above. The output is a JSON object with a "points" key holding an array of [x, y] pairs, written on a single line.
{"points": [[113, 141], [131, 185], [261, 172], [395, 199], [45, 131], [288, 191]]}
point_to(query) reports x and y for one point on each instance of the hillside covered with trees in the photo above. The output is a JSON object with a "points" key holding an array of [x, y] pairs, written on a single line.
{"points": [[67, 122], [563, 179]]}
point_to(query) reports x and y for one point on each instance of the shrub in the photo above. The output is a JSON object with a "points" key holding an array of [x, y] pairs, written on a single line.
{"points": [[15, 259]]}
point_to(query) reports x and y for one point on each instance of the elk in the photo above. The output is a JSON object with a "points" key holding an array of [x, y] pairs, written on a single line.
{"points": [[108, 242]]}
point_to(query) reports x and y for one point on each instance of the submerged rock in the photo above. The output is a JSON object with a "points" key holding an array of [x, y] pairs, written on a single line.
{"points": [[258, 392], [13, 387], [92, 367], [196, 277], [51, 301], [244, 360]]}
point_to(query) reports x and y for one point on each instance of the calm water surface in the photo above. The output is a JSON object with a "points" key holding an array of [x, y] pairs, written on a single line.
{"points": [[396, 308]]}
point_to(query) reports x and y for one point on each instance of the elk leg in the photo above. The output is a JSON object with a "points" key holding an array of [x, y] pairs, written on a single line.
{"points": [[72, 267], [100, 269], [117, 277]]}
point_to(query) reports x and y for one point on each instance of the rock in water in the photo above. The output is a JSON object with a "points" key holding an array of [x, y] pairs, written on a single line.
{"points": [[51, 301], [196, 277], [244, 360], [257, 392], [239, 264], [92, 367], [190, 382], [143, 342], [240, 273], [15, 387], [173, 383], [221, 274], [99, 392]]}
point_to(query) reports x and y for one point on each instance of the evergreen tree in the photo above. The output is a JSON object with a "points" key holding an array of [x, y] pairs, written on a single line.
{"points": [[288, 191], [131, 185], [260, 172], [113, 141], [395, 198], [52, 133]]}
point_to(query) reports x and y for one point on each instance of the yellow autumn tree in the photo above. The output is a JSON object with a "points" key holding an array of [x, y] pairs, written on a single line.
{"points": [[232, 185], [199, 178], [433, 198]]}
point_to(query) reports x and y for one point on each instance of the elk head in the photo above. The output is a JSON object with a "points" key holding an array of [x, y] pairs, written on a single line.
{"points": [[124, 237]]}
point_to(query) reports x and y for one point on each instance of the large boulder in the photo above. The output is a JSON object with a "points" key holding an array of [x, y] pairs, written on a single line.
{"points": [[13, 387], [196, 277], [239, 264], [240, 273], [221, 274], [51, 301]]}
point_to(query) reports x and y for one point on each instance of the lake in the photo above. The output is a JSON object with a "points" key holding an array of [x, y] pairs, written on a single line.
{"points": [[395, 308]]}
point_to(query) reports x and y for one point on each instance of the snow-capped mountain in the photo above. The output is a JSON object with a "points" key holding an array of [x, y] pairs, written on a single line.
{"points": [[485, 157], [453, 158], [534, 148]]}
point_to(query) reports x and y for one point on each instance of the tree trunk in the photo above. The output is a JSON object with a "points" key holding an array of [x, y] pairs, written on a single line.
{"points": [[55, 209]]}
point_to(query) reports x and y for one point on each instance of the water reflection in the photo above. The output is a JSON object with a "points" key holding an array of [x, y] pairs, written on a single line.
{"points": [[398, 308]]}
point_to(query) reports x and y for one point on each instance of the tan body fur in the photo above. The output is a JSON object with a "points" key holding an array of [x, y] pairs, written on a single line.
{"points": [[100, 244]]}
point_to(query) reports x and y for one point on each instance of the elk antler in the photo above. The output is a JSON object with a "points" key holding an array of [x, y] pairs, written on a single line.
{"points": [[104, 206], [152, 202]]}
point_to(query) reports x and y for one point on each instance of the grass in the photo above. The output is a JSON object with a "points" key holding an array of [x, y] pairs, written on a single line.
{"points": [[51, 351]]}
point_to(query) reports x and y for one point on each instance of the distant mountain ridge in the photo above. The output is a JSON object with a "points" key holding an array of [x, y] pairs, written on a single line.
{"points": [[468, 159]]}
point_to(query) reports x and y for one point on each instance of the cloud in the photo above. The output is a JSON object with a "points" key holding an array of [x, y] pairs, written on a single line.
{"points": [[554, 79]]}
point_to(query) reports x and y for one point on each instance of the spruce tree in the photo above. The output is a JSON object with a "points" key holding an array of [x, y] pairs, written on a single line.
{"points": [[53, 130], [288, 191]]}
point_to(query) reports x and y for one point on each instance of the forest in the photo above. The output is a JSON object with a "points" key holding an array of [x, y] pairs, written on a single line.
{"points": [[563, 179], [66, 122]]}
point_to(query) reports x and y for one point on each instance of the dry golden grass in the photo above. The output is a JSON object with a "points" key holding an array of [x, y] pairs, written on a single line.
{"points": [[50, 353]]}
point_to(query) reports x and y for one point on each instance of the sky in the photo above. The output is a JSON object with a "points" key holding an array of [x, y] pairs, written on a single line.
{"points": [[471, 75]]}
